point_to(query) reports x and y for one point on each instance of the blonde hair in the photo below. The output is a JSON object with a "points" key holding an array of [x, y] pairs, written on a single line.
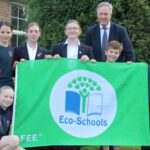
{"points": [[32, 24], [5, 88], [114, 45]]}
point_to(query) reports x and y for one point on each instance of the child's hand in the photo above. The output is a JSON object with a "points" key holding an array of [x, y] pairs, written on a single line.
{"points": [[93, 61], [84, 58], [15, 64], [48, 56], [22, 60], [56, 56], [129, 62]]}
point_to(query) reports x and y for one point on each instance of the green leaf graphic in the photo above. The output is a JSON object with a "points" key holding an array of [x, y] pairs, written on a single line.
{"points": [[84, 85]]}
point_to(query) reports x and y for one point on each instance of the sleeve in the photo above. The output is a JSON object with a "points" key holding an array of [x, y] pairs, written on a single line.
{"points": [[15, 55], [56, 50], [88, 37], [90, 52], [128, 51]]}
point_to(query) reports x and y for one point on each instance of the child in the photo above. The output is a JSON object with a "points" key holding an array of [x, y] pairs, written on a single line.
{"points": [[30, 50], [72, 47], [5, 54], [9, 142], [112, 52]]}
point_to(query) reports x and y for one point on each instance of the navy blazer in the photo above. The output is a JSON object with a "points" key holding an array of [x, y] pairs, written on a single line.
{"points": [[61, 49], [22, 52], [118, 33]]}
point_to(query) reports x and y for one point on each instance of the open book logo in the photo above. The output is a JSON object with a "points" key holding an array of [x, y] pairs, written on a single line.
{"points": [[87, 99], [82, 102]]}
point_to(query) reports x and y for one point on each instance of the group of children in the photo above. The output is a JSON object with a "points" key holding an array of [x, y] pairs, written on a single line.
{"points": [[71, 48]]}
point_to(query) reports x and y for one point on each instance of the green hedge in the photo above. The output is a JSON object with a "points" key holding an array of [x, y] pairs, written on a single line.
{"points": [[52, 16]]}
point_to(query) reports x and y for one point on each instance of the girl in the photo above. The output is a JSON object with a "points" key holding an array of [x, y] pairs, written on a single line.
{"points": [[72, 47], [9, 142], [31, 50], [5, 54]]}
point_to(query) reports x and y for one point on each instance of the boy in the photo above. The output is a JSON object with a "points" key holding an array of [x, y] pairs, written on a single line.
{"points": [[9, 142], [112, 52]]}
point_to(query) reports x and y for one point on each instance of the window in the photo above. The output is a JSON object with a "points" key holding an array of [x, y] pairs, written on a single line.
{"points": [[18, 18]]}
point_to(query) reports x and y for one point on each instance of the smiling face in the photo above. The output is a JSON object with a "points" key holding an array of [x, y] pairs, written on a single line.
{"points": [[72, 30], [112, 54], [104, 15], [33, 34], [5, 35], [6, 98]]}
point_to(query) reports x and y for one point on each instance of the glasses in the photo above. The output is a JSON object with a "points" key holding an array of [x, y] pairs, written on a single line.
{"points": [[72, 28]]}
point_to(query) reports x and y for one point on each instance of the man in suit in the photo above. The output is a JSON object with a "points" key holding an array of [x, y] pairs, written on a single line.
{"points": [[95, 34], [105, 31]]}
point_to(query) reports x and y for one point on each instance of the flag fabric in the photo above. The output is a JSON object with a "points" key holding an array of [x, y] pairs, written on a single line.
{"points": [[67, 102]]}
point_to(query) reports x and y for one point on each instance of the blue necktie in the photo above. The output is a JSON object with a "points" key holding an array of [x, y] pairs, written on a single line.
{"points": [[104, 39]]}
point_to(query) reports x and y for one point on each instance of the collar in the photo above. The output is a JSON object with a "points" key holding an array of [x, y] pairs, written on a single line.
{"points": [[67, 42], [107, 27], [28, 46]]}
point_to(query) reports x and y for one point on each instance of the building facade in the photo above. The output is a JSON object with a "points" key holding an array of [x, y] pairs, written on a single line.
{"points": [[16, 12]]}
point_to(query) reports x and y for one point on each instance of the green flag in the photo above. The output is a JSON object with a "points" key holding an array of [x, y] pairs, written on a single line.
{"points": [[67, 102]]}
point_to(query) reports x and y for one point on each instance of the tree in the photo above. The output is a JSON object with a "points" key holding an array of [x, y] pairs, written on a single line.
{"points": [[85, 86], [52, 16]]}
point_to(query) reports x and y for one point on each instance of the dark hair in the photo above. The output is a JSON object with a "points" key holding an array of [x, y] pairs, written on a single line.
{"points": [[5, 23]]}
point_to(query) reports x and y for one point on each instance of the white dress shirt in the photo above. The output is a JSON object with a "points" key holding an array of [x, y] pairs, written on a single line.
{"points": [[31, 52], [72, 50]]}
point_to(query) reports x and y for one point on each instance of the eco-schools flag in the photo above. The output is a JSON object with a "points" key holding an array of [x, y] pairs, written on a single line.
{"points": [[67, 102]]}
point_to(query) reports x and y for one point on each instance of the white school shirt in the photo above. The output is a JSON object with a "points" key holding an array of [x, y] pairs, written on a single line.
{"points": [[31, 52], [72, 50]]}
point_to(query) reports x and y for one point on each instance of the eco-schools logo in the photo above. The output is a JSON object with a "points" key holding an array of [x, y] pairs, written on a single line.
{"points": [[83, 104]]}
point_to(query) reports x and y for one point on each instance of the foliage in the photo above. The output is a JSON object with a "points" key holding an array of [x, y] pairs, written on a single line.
{"points": [[52, 16]]}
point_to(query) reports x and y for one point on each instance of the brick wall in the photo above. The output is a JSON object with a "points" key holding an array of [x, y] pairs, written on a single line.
{"points": [[5, 10]]}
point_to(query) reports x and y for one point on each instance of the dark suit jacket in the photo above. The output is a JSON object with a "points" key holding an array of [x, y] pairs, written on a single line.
{"points": [[61, 49], [22, 52], [118, 33]]}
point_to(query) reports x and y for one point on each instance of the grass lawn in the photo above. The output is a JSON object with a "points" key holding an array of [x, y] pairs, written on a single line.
{"points": [[122, 148]]}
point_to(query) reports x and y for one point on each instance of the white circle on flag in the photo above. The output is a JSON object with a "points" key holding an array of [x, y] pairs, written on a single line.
{"points": [[83, 103]]}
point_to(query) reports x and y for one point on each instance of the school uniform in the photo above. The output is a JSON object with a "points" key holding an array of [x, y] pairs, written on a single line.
{"points": [[22, 52], [64, 49], [61, 49], [6, 54], [5, 121], [25, 52]]}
